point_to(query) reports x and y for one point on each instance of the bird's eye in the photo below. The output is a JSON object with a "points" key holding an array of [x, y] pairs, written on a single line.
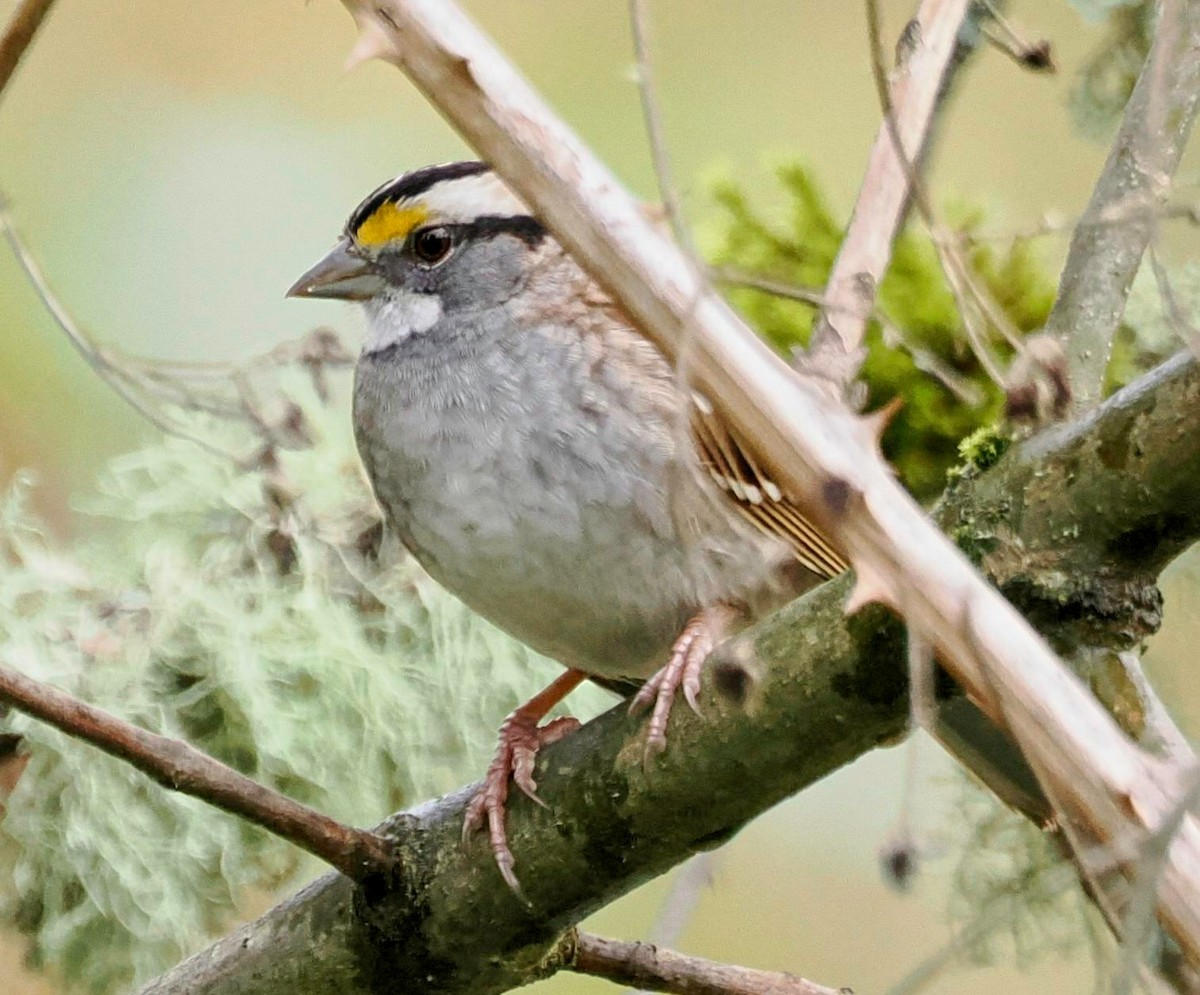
{"points": [[432, 245]]}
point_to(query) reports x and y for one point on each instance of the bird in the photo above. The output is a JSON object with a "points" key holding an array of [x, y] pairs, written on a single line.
{"points": [[547, 464]]}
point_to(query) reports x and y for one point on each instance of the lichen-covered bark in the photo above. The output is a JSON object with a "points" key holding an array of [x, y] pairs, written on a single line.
{"points": [[1064, 521], [1075, 525]]}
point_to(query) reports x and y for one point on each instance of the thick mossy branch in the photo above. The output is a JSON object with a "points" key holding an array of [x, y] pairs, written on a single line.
{"points": [[1097, 510], [791, 700]]}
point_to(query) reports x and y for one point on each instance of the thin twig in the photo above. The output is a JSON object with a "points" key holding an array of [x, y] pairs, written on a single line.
{"points": [[1137, 923], [652, 116], [147, 385], [694, 878], [883, 199], [734, 277], [95, 356], [18, 36], [691, 881], [1180, 324], [1051, 880], [973, 302], [893, 335], [657, 969], [180, 767], [1036, 56], [1048, 225]]}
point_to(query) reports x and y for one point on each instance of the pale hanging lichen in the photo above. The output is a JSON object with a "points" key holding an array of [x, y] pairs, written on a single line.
{"points": [[252, 610]]}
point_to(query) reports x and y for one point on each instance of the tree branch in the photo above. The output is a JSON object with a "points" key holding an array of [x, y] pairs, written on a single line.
{"points": [[791, 700], [18, 36], [823, 455], [925, 63], [1111, 237], [659, 970], [179, 767]]}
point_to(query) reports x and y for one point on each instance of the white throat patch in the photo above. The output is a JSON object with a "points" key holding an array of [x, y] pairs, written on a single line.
{"points": [[397, 315]]}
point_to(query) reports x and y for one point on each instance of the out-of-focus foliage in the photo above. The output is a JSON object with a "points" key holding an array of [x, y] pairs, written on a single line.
{"points": [[1014, 896], [1095, 10], [919, 352], [1159, 316], [250, 610], [1108, 77]]}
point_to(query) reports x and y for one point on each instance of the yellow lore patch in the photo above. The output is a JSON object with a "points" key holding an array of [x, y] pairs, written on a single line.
{"points": [[390, 223]]}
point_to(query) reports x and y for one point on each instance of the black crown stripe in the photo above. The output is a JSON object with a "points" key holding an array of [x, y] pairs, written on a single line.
{"points": [[528, 229], [411, 185]]}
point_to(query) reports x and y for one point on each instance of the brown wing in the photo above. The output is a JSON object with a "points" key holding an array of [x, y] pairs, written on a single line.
{"points": [[755, 495]]}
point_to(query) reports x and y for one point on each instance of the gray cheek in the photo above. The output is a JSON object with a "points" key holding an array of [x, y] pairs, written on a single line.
{"points": [[483, 274], [397, 269]]}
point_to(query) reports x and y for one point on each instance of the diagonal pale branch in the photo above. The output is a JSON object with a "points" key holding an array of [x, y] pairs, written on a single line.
{"points": [[820, 452], [926, 62], [1119, 223], [793, 699]]}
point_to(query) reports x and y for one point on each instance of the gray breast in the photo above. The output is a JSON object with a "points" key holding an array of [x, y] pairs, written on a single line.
{"points": [[529, 473]]}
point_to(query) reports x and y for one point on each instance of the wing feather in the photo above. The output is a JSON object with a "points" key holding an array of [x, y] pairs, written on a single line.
{"points": [[755, 495]]}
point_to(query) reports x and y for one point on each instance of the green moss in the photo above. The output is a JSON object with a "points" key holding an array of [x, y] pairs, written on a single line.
{"points": [[974, 542], [979, 451], [920, 354]]}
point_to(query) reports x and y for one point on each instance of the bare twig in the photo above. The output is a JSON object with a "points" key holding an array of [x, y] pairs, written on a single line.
{"points": [[656, 969], [1054, 224], [19, 35], [693, 878], [926, 61], [1104, 258], [733, 277], [1005, 37], [652, 117], [893, 335], [821, 453], [993, 916], [148, 386], [180, 767], [1137, 921], [98, 358], [975, 304], [1176, 316]]}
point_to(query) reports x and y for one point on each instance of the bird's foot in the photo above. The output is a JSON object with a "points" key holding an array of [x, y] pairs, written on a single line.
{"points": [[682, 672], [520, 739]]}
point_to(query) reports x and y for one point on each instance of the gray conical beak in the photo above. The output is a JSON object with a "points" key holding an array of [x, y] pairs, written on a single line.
{"points": [[341, 275]]}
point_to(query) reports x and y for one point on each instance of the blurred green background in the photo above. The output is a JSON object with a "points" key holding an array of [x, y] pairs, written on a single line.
{"points": [[174, 166]]}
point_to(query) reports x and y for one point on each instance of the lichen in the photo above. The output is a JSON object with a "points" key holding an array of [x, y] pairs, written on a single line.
{"points": [[237, 606]]}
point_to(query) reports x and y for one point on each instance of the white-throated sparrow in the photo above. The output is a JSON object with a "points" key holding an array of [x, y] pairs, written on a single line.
{"points": [[543, 461]]}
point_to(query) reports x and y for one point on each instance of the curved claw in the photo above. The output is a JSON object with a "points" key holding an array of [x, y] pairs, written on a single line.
{"points": [[681, 673], [516, 754]]}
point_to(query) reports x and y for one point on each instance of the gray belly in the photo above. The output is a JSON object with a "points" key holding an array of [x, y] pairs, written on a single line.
{"points": [[550, 520]]}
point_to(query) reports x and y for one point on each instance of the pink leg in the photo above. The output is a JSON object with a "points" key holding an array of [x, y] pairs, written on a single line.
{"points": [[520, 740], [682, 671]]}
